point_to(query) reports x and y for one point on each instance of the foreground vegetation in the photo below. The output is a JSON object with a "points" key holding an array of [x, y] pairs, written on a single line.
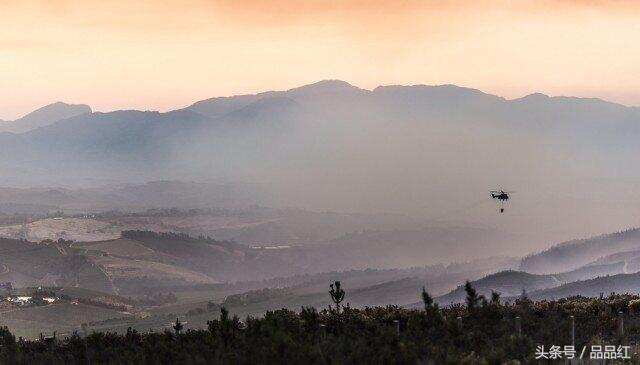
{"points": [[481, 331]]}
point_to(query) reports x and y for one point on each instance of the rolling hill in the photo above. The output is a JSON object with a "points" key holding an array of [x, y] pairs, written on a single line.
{"points": [[507, 283], [573, 254], [31, 264], [427, 245], [201, 274], [591, 271], [511, 283], [621, 283]]}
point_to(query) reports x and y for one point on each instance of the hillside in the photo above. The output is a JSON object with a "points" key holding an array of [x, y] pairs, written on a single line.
{"points": [[28, 264], [156, 275], [143, 279], [141, 264], [573, 254], [363, 287], [622, 256], [76, 229], [44, 116], [592, 271], [159, 275], [428, 245], [507, 283], [512, 283], [621, 283]]}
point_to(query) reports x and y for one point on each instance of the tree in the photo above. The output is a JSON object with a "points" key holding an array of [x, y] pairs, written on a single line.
{"points": [[8, 345], [523, 300], [495, 298], [472, 296], [337, 294], [427, 300], [224, 327], [310, 319], [486, 336], [178, 326]]}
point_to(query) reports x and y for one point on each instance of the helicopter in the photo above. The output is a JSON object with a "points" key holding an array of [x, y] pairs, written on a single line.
{"points": [[501, 196]]}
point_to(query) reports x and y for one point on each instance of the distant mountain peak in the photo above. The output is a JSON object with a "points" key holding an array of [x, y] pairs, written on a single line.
{"points": [[325, 86], [45, 116], [59, 107], [443, 87], [332, 83], [536, 97], [447, 93]]}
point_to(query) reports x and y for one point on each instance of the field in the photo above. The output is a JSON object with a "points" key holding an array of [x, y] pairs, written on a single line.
{"points": [[77, 229], [63, 317]]}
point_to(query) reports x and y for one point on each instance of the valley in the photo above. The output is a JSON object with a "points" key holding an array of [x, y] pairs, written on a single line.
{"points": [[111, 270], [257, 202]]}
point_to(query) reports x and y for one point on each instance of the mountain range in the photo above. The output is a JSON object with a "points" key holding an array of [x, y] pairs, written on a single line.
{"points": [[245, 127], [330, 145]]}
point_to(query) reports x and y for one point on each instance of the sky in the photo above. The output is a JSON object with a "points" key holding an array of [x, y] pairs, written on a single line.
{"points": [[154, 55]]}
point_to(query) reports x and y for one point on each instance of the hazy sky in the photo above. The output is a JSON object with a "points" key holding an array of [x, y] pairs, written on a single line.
{"points": [[162, 55]]}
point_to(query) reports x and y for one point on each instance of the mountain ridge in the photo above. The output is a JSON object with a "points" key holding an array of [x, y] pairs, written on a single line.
{"points": [[336, 84], [315, 122], [44, 116]]}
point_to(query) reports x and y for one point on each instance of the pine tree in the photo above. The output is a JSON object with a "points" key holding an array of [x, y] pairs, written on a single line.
{"points": [[337, 294], [427, 300], [495, 298], [472, 296], [178, 326]]}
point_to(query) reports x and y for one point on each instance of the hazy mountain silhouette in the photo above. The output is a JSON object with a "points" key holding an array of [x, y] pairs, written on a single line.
{"points": [[511, 283], [621, 283], [507, 283], [150, 134], [534, 111], [336, 146], [44, 116], [576, 253]]}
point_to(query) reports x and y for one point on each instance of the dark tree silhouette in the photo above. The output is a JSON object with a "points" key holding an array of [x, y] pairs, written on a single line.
{"points": [[427, 300], [506, 332], [472, 296], [178, 326], [337, 293], [495, 298]]}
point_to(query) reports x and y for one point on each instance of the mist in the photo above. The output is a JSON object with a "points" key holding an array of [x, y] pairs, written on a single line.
{"points": [[429, 152], [362, 156]]}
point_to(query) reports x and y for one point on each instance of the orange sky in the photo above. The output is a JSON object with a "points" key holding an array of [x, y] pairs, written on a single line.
{"points": [[167, 54]]}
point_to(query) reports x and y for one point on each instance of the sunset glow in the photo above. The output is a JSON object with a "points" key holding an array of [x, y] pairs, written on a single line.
{"points": [[114, 55]]}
